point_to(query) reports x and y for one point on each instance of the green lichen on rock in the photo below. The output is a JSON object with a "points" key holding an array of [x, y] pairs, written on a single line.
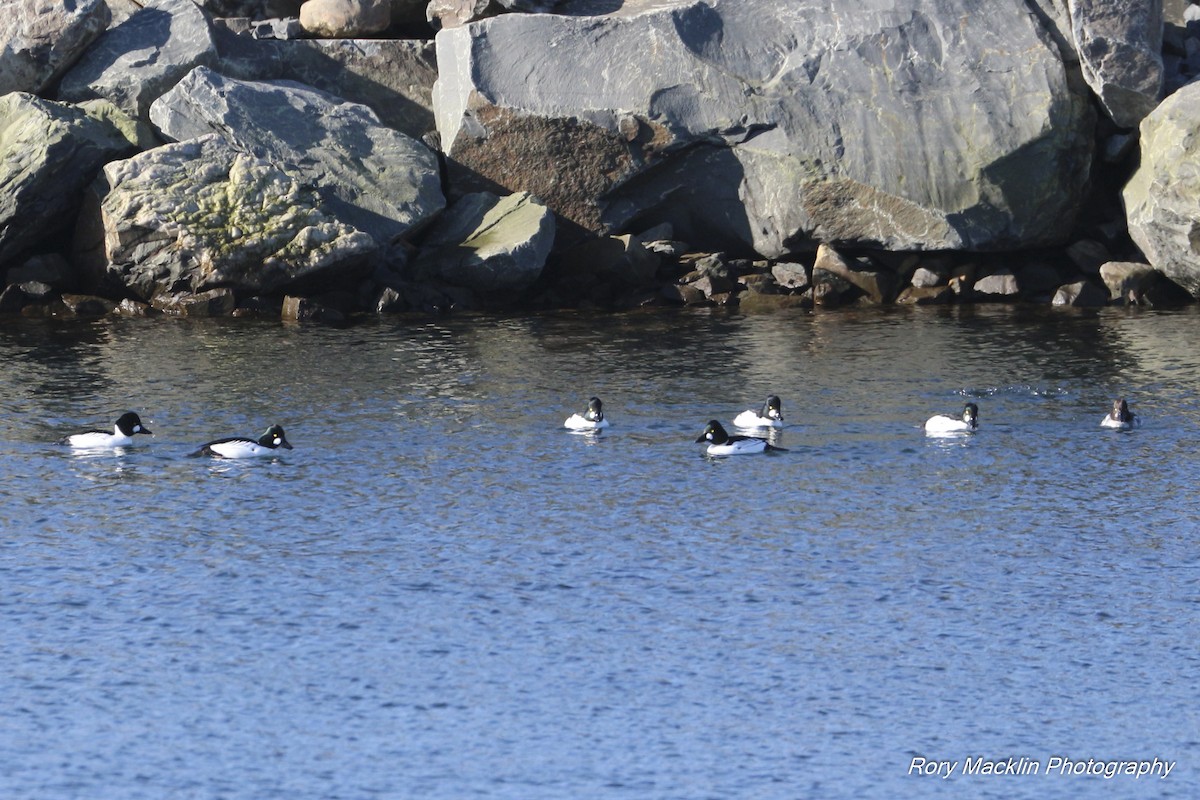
{"points": [[201, 214]]}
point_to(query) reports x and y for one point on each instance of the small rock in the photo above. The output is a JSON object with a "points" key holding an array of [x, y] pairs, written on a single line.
{"points": [[1082, 294], [790, 276], [1000, 285], [86, 305]]}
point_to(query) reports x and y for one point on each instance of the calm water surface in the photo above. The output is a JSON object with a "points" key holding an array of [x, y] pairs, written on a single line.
{"points": [[440, 593]]}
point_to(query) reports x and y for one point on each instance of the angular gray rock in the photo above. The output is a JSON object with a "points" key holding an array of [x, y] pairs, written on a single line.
{"points": [[771, 125], [488, 244], [39, 39], [369, 176], [1162, 198], [1120, 52], [200, 215], [49, 152], [143, 57]]}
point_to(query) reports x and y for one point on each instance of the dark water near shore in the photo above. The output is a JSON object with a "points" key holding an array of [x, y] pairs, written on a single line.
{"points": [[442, 594]]}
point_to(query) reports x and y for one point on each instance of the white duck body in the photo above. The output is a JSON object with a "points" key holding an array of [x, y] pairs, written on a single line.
{"points": [[1120, 418], [941, 424], [239, 447], [127, 426], [590, 420], [770, 416], [720, 443]]}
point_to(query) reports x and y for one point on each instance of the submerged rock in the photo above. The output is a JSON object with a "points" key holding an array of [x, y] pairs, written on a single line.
{"points": [[368, 175], [201, 215]]}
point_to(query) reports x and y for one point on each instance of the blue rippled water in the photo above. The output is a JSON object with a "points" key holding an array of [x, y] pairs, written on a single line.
{"points": [[440, 593]]}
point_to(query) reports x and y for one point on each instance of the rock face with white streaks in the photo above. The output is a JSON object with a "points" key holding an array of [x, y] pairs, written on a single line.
{"points": [[201, 215], [39, 39], [369, 176], [1120, 50], [134, 63], [906, 125]]}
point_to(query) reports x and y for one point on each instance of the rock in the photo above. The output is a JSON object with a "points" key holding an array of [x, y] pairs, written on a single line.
{"points": [[759, 283], [50, 269], [250, 10], [876, 285], [393, 77], [925, 295], [1087, 255], [790, 276], [1125, 279], [771, 125], [684, 294], [128, 307], [926, 276], [142, 58], [1162, 198], [212, 303], [48, 153], [488, 244], [201, 214], [999, 285], [369, 176], [617, 260], [754, 303], [39, 39], [830, 289], [345, 19], [86, 305], [1081, 294], [303, 309], [12, 299], [1120, 51]]}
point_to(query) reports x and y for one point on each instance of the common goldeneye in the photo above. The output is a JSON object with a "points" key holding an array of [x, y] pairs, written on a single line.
{"points": [[721, 443], [241, 447], [590, 420], [771, 415], [944, 423], [128, 425], [1120, 417]]}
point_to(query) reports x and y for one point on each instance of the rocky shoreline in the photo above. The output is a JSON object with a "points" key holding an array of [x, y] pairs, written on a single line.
{"points": [[325, 159]]}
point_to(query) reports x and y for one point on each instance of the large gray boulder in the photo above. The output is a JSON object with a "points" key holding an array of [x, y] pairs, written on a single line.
{"points": [[143, 57], [488, 244], [39, 39], [202, 214], [48, 153], [1120, 52], [1162, 199], [368, 175], [907, 125]]}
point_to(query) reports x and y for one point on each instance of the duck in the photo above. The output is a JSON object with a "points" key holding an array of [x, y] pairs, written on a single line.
{"points": [[1120, 418], [127, 426], [590, 420], [771, 415], [944, 423], [720, 443], [241, 447]]}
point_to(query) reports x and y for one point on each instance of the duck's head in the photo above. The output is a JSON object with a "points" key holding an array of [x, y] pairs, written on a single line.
{"points": [[273, 437], [773, 408], [971, 414], [1120, 410], [595, 410], [130, 423], [714, 433]]}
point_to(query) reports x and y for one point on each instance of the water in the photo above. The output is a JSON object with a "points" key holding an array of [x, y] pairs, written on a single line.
{"points": [[442, 594]]}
